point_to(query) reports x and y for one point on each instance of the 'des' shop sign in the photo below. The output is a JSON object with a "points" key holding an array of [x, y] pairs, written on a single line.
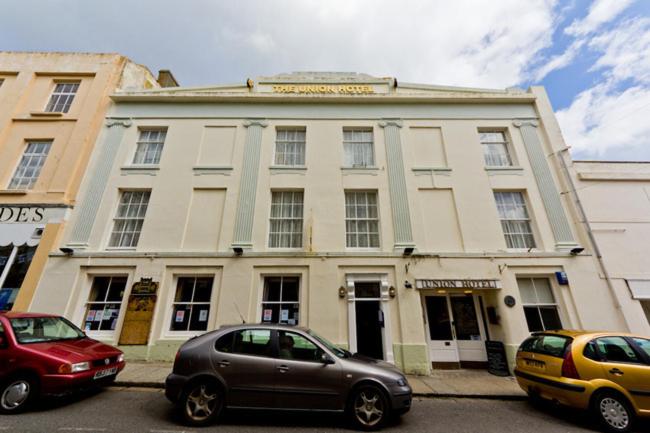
{"points": [[139, 312]]}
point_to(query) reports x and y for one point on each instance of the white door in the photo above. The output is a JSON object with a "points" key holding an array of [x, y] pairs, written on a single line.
{"points": [[442, 344], [468, 327]]}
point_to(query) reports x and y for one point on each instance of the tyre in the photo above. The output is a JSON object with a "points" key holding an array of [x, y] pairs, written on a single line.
{"points": [[17, 394], [201, 403], [368, 408], [613, 412]]}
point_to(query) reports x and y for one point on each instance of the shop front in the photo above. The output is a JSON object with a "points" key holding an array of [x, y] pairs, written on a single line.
{"points": [[455, 321], [21, 232]]}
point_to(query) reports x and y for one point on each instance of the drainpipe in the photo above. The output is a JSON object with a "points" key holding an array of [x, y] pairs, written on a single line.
{"points": [[592, 238]]}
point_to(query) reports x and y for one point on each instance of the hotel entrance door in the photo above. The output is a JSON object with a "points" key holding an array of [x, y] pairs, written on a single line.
{"points": [[455, 330]]}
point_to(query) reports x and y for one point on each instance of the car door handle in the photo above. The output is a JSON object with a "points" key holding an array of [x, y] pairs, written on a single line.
{"points": [[224, 363], [616, 372], [282, 368]]}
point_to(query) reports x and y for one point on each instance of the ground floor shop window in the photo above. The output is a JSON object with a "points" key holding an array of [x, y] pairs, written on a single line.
{"points": [[539, 304], [280, 302], [104, 303], [14, 263], [192, 304]]}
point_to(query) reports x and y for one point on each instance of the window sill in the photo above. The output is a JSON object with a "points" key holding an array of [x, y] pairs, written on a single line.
{"points": [[151, 170], [46, 113], [120, 249], [372, 171], [223, 170], [418, 171], [13, 191], [288, 167], [181, 335], [495, 171]]}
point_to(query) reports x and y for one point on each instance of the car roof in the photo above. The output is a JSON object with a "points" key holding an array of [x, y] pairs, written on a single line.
{"points": [[574, 333], [24, 315], [264, 325]]}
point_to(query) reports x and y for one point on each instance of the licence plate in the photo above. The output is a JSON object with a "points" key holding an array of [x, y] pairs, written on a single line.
{"points": [[103, 373], [534, 363]]}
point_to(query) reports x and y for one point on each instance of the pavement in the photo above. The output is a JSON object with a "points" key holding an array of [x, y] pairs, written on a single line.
{"points": [[441, 383]]}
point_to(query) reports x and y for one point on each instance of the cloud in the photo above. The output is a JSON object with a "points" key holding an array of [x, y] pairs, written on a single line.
{"points": [[600, 12]]}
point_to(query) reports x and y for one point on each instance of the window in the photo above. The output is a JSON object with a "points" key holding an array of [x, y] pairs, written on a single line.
{"points": [[552, 345], [17, 259], [256, 342], [643, 343], [129, 218], [280, 301], [515, 221], [539, 304], [62, 97], [44, 329], [104, 303], [495, 149], [192, 304], [290, 146], [646, 309], [30, 165], [296, 347], [361, 220], [285, 229], [358, 147], [616, 349], [150, 145]]}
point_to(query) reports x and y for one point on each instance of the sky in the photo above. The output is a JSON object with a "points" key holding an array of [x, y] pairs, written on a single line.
{"points": [[593, 56]]}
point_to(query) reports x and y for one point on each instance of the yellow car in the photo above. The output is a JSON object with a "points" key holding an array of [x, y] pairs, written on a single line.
{"points": [[607, 373]]}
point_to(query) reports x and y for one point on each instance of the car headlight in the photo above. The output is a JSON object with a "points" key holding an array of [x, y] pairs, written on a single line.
{"points": [[120, 357], [402, 382], [79, 366]]}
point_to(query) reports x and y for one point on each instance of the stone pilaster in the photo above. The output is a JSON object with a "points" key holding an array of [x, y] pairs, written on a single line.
{"points": [[397, 184], [243, 236], [547, 188], [97, 180]]}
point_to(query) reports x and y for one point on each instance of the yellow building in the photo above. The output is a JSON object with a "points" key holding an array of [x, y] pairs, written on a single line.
{"points": [[52, 106]]}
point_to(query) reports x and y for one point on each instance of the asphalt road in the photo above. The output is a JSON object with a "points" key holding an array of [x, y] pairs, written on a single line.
{"points": [[147, 411]]}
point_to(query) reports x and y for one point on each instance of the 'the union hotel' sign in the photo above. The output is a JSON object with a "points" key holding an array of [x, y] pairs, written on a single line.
{"points": [[348, 89]]}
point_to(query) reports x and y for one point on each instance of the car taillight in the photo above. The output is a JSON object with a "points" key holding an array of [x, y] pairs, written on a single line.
{"points": [[178, 355], [568, 366]]}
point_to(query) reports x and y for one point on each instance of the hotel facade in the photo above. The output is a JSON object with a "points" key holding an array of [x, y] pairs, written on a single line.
{"points": [[414, 223], [52, 106]]}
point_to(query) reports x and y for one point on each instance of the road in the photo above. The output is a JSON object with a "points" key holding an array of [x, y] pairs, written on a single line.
{"points": [[147, 411]]}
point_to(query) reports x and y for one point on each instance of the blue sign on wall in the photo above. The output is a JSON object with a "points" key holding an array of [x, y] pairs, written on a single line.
{"points": [[562, 278]]}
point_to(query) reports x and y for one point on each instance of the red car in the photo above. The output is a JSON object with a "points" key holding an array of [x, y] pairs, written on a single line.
{"points": [[42, 354]]}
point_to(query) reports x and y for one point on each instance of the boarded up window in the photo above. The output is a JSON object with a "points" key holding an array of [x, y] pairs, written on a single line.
{"points": [[426, 147], [204, 220], [217, 146], [440, 220]]}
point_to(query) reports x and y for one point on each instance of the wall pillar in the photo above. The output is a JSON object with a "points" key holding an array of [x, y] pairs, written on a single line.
{"points": [[243, 236]]}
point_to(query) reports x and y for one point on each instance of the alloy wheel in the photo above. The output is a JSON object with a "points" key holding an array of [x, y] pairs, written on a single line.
{"points": [[15, 395], [202, 402], [614, 413], [369, 407]]}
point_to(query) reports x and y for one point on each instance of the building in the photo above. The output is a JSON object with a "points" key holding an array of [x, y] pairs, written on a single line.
{"points": [[408, 222], [52, 107], [615, 197]]}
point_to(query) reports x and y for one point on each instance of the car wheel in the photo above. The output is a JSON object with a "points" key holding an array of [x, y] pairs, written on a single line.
{"points": [[368, 409], [614, 412], [201, 403], [17, 394]]}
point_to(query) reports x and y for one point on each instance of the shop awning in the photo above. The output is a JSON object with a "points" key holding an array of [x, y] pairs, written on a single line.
{"points": [[640, 288], [466, 283], [20, 234]]}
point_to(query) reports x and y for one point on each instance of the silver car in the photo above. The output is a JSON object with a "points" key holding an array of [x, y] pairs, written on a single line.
{"points": [[262, 366]]}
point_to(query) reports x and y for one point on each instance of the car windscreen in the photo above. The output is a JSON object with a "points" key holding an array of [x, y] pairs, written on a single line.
{"points": [[544, 344], [44, 329], [336, 350]]}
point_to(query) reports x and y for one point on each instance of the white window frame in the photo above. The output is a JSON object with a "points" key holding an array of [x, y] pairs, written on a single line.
{"points": [[291, 219], [367, 219], [348, 148], [24, 163], [105, 334], [527, 220], [170, 311], [504, 157], [117, 218], [261, 302], [538, 304], [67, 96], [281, 156], [146, 146]]}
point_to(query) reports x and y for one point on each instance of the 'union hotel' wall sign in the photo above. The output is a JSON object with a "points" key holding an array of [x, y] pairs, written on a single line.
{"points": [[458, 284]]}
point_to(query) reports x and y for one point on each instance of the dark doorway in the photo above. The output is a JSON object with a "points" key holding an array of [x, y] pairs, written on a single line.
{"points": [[369, 324]]}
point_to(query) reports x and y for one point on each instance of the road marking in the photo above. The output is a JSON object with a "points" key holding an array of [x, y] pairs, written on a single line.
{"points": [[167, 431], [81, 429]]}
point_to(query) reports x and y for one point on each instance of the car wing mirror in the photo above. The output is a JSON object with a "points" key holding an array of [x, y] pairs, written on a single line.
{"points": [[326, 359]]}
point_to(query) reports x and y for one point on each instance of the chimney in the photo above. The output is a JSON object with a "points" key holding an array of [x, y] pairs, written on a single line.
{"points": [[166, 78]]}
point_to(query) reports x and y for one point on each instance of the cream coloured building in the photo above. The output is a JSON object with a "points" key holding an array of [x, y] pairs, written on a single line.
{"points": [[52, 106], [408, 222]]}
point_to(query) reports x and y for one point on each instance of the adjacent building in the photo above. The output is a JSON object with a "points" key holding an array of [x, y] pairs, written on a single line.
{"points": [[408, 222], [52, 107]]}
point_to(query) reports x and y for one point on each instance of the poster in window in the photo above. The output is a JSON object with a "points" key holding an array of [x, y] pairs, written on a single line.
{"points": [[91, 316], [87, 326], [268, 315], [180, 315], [113, 324], [99, 314], [284, 315], [203, 315]]}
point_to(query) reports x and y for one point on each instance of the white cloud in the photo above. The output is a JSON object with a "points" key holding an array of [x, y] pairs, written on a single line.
{"points": [[600, 12], [559, 61]]}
